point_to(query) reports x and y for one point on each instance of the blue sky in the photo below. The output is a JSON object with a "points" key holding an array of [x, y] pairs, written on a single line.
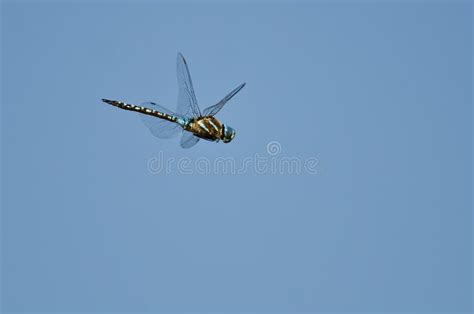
{"points": [[379, 93]]}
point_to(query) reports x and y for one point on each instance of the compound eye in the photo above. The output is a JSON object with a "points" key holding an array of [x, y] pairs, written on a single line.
{"points": [[223, 131]]}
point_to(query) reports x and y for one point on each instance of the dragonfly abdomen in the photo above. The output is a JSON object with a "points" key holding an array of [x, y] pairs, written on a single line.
{"points": [[141, 109]]}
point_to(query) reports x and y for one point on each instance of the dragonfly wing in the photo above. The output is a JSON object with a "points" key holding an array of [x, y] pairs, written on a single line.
{"points": [[213, 110], [188, 140], [159, 127], [187, 103]]}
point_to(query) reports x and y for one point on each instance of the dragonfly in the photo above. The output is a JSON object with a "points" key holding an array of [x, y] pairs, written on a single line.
{"points": [[187, 120]]}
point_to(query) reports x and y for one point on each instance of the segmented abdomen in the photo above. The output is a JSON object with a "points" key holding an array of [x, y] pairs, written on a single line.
{"points": [[140, 109]]}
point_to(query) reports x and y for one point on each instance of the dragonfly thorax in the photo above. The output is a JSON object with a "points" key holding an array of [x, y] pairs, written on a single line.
{"points": [[211, 129]]}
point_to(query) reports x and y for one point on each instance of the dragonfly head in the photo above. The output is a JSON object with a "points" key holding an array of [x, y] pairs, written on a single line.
{"points": [[228, 133]]}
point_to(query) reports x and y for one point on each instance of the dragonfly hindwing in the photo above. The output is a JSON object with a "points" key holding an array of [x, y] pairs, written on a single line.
{"points": [[159, 127], [188, 139]]}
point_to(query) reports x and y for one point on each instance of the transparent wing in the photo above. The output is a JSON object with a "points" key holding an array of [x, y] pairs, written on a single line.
{"points": [[188, 140], [159, 127], [187, 103], [213, 110]]}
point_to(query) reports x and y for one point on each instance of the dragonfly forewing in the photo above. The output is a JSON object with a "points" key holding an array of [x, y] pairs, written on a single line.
{"points": [[187, 102], [213, 110]]}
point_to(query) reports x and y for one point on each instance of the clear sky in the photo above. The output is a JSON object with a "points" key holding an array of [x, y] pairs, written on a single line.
{"points": [[379, 93]]}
